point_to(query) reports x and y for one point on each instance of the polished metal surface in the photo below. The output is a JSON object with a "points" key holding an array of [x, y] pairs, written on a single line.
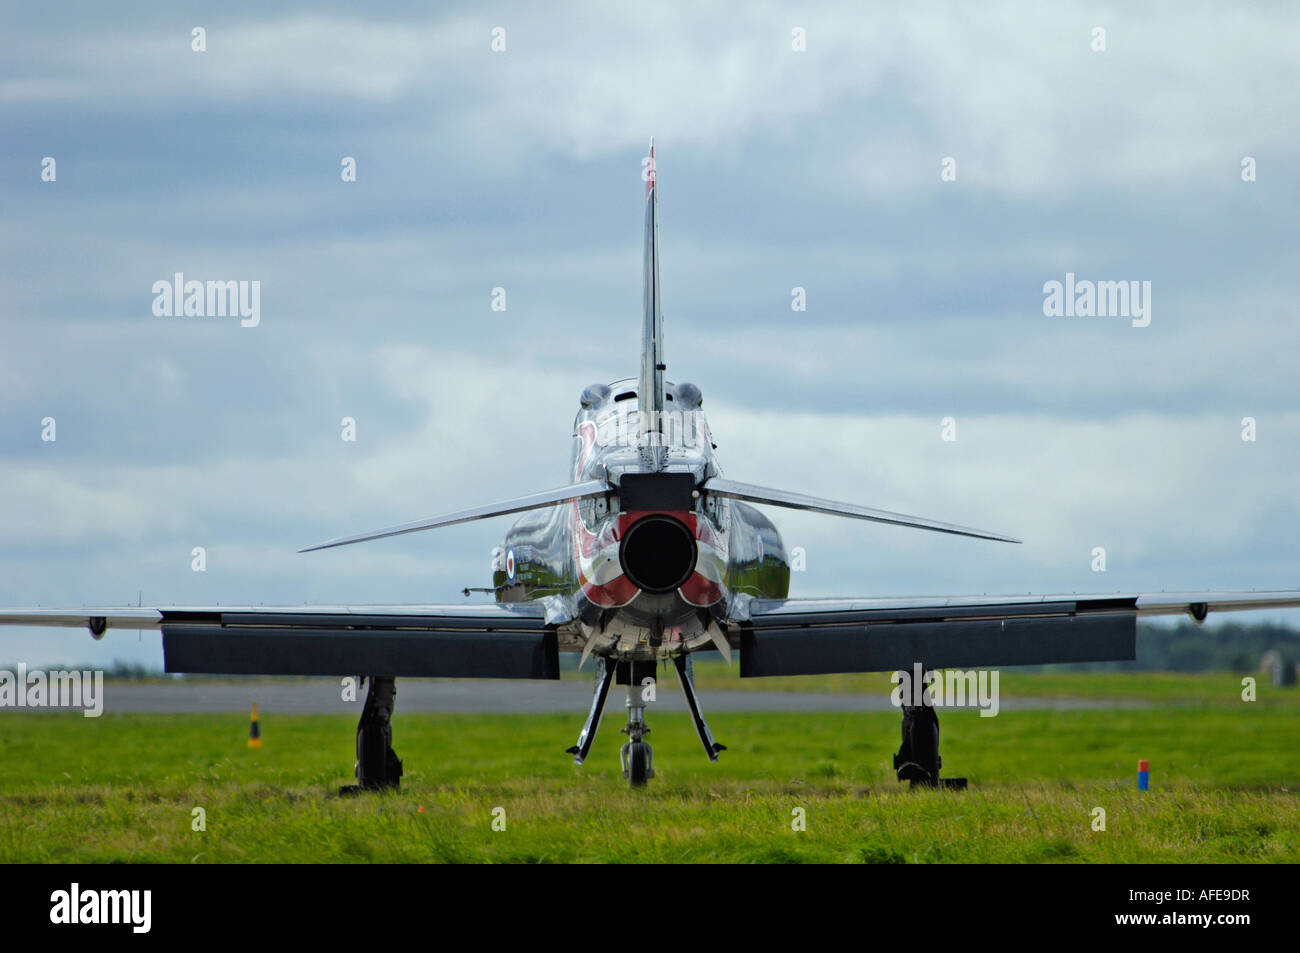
{"points": [[802, 501], [533, 501]]}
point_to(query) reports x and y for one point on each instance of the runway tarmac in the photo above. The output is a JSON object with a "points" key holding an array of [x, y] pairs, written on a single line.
{"points": [[324, 696]]}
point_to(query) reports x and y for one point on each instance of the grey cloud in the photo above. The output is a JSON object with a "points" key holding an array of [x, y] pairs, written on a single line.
{"points": [[776, 169]]}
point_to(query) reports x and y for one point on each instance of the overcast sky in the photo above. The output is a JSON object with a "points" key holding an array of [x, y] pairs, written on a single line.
{"points": [[520, 169]]}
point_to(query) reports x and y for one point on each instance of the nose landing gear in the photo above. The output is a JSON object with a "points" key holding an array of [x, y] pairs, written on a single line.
{"points": [[636, 756]]}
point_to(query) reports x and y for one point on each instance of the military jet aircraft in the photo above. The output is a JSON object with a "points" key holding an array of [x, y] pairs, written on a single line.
{"points": [[648, 555]]}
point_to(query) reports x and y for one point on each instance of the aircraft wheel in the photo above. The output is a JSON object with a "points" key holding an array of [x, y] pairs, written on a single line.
{"points": [[638, 764], [923, 738]]}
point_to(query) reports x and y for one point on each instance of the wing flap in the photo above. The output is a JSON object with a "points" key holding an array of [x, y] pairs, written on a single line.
{"points": [[970, 643], [337, 650], [495, 640], [823, 636]]}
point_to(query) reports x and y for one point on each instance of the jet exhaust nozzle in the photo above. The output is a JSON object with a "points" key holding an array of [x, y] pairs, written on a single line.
{"points": [[658, 553]]}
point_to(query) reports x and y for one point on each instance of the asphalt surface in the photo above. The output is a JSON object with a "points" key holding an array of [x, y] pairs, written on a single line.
{"points": [[324, 696]]}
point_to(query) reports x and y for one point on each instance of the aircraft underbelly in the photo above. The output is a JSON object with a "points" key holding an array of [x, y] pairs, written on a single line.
{"points": [[649, 626]]}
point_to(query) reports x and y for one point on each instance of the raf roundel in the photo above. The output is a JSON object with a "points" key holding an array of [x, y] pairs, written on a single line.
{"points": [[510, 565]]}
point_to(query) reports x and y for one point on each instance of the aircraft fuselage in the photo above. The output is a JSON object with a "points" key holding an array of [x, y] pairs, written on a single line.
{"points": [[653, 581]]}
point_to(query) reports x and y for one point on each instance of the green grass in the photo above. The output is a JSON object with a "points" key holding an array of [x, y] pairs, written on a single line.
{"points": [[1178, 688], [1225, 788], [1194, 688]]}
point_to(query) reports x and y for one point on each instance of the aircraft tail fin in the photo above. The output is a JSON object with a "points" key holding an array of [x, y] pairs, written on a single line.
{"points": [[650, 390]]}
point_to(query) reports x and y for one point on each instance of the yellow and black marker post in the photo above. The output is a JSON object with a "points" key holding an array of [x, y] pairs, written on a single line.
{"points": [[254, 734]]}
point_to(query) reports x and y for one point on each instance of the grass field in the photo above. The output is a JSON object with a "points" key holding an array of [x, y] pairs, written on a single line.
{"points": [[1182, 688], [1225, 785]]}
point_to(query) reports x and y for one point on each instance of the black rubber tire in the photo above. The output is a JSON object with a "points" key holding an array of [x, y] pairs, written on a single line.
{"points": [[638, 764], [923, 740], [372, 756]]}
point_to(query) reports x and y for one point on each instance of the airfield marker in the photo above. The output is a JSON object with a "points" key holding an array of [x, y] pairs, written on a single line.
{"points": [[254, 734], [1144, 775]]}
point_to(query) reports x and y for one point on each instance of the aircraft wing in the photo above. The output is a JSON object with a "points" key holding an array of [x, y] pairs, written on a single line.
{"points": [[534, 501], [749, 493], [493, 640], [819, 636]]}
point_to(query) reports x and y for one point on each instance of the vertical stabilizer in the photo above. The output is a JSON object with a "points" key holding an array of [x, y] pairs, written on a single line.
{"points": [[650, 390]]}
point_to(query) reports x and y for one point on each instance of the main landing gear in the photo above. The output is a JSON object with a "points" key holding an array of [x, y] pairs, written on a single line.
{"points": [[918, 758], [378, 767]]}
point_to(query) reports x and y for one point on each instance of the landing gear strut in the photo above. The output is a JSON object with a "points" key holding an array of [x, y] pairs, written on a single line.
{"points": [[604, 675], [686, 675], [636, 756], [378, 767], [918, 758]]}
